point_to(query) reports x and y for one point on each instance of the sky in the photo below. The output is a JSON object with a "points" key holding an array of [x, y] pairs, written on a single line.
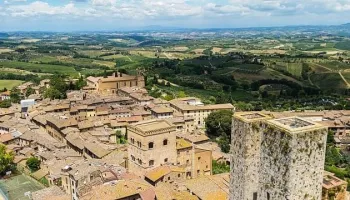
{"points": [[114, 15]]}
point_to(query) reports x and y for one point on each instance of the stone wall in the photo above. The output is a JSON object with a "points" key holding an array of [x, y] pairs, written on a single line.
{"points": [[245, 152], [270, 162], [291, 164]]}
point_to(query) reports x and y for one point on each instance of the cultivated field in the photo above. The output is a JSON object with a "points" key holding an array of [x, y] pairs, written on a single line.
{"points": [[9, 84], [44, 68]]}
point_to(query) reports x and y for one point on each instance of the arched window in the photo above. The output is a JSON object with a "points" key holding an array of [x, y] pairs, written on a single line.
{"points": [[150, 145], [151, 163], [165, 142]]}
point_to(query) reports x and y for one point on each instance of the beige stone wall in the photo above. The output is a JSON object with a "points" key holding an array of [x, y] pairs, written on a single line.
{"points": [[51, 130], [292, 164], [113, 86], [202, 164], [198, 164], [172, 177], [158, 154], [66, 185], [245, 159]]}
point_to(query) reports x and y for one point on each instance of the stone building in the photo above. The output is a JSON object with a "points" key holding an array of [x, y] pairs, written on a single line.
{"points": [[151, 144], [290, 164], [333, 187], [111, 84], [194, 108], [245, 148], [195, 161]]}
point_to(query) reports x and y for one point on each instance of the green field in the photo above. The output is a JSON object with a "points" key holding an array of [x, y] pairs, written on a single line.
{"points": [[44, 68], [293, 68], [328, 81], [335, 65], [9, 84], [15, 187]]}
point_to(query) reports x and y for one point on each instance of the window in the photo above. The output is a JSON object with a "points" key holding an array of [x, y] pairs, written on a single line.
{"points": [[187, 162], [169, 178], [268, 196], [179, 175], [165, 142], [140, 161], [151, 163], [198, 171], [139, 144], [150, 145], [255, 196], [166, 160], [199, 158], [132, 158]]}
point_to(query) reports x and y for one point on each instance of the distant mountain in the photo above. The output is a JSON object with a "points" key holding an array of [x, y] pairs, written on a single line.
{"points": [[347, 24], [3, 35], [158, 28]]}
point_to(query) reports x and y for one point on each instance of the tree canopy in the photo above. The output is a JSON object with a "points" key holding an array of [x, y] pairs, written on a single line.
{"points": [[218, 126], [6, 159], [33, 164]]}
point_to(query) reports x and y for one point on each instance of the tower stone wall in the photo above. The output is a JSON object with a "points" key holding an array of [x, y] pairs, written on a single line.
{"points": [[245, 155], [276, 159]]}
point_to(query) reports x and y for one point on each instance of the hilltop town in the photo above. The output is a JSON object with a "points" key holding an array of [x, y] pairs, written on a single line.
{"points": [[112, 140]]}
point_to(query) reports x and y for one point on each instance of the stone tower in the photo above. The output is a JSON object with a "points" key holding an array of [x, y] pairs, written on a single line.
{"points": [[151, 144], [276, 159], [292, 160], [245, 155]]}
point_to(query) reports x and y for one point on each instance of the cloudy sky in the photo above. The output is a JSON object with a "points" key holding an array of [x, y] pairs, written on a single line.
{"points": [[75, 15]]}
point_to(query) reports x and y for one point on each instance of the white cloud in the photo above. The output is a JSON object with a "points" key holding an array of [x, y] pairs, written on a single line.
{"points": [[103, 2], [172, 9], [13, 1], [42, 8]]}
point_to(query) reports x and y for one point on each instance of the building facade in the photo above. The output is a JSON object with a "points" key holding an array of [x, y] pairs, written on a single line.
{"points": [[151, 144], [291, 160], [245, 152], [110, 85]]}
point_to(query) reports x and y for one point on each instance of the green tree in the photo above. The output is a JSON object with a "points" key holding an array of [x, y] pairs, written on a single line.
{"points": [[181, 94], [57, 82], [219, 168], [218, 126], [6, 159], [121, 138], [33, 164], [52, 93], [105, 74], [80, 83], [5, 103], [15, 95], [29, 92]]}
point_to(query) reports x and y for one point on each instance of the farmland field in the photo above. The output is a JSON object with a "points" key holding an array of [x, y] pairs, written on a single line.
{"points": [[328, 80], [293, 68], [45, 68], [104, 63], [335, 65], [93, 53], [5, 50], [9, 84]]}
